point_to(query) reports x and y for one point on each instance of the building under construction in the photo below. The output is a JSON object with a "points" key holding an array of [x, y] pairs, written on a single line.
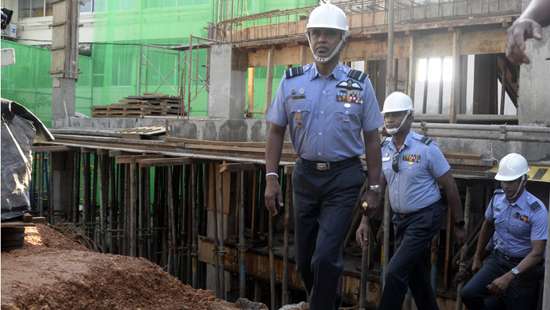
{"points": [[157, 110]]}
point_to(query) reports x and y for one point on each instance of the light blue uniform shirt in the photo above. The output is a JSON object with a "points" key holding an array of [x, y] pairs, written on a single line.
{"points": [[415, 186], [517, 224], [322, 126]]}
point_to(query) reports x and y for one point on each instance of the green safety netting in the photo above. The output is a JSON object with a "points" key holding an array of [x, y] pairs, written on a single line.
{"points": [[28, 81], [133, 53]]}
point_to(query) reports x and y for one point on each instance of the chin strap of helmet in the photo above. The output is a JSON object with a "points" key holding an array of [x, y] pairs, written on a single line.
{"points": [[334, 51], [520, 188], [393, 131]]}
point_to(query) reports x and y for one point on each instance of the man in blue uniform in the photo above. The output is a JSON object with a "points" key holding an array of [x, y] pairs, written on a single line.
{"points": [[413, 167], [327, 107], [510, 275]]}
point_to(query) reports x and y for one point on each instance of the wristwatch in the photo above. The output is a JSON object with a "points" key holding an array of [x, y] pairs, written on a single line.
{"points": [[375, 188], [515, 271]]}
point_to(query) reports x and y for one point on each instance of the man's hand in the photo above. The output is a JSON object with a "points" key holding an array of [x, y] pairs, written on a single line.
{"points": [[459, 235], [521, 30], [500, 284], [372, 199], [476, 264], [273, 195], [362, 234]]}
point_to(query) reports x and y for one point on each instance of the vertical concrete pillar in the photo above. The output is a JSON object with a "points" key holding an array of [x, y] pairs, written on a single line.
{"points": [[533, 102], [226, 97]]}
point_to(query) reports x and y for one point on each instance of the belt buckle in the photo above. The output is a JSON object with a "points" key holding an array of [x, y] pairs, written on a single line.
{"points": [[322, 166]]}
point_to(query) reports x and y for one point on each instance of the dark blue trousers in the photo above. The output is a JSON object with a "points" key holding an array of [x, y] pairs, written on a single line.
{"points": [[521, 294], [409, 267], [323, 207]]}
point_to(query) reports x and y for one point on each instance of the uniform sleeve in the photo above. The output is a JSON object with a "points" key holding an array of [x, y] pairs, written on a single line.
{"points": [[437, 163], [277, 111], [489, 215], [372, 119], [539, 226]]}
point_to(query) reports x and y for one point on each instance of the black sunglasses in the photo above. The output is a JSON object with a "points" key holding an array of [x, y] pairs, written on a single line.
{"points": [[395, 162]]}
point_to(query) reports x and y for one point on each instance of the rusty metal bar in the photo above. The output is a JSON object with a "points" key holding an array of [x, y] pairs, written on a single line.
{"points": [[194, 226], [271, 261], [286, 216], [462, 265], [242, 242]]}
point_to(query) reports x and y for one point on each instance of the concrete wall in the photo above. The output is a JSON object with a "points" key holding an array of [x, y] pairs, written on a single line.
{"points": [[534, 93]]}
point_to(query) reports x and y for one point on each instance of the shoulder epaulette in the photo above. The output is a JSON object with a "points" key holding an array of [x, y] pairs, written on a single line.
{"points": [[535, 205], [426, 140], [498, 191], [357, 75], [294, 72]]}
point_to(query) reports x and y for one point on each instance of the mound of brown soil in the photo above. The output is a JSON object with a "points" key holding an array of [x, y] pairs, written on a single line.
{"points": [[53, 272]]}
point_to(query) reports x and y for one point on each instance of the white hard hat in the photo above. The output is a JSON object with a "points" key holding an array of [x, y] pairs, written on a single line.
{"points": [[328, 15], [397, 102], [512, 167]]}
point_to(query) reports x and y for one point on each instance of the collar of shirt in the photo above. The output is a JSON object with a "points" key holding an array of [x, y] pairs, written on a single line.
{"points": [[408, 141], [521, 202], [338, 73]]}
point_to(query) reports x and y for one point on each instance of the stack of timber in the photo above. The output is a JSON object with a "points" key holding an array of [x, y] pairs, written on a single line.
{"points": [[140, 106]]}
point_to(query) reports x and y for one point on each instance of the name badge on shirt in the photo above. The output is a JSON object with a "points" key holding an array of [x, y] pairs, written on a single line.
{"points": [[300, 94]]}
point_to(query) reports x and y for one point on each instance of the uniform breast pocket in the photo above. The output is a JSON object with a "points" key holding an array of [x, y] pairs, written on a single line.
{"points": [[349, 118], [519, 224], [300, 113]]}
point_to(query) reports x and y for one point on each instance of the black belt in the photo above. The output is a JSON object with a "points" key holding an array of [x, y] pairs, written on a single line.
{"points": [[405, 215], [509, 258], [328, 165]]}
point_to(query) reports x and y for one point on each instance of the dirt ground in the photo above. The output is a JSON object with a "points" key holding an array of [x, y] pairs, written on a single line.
{"points": [[54, 272]]}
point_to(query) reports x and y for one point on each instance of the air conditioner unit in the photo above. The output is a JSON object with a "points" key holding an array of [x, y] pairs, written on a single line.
{"points": [[10, 31]]}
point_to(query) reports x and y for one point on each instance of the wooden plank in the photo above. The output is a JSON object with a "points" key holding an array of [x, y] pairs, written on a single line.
{"points": [[233, 167], [129, 159], [250, 89], [164, 161], [226, 190], [455, 89], [50, 148]]}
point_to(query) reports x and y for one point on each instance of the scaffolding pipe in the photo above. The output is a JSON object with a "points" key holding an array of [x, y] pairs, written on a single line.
{"points": [[499, 128], [389, 60]]}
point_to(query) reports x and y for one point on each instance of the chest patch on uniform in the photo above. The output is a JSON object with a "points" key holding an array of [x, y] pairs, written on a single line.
{"points": [[349, 96], [521, 217], [411, 158]]}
